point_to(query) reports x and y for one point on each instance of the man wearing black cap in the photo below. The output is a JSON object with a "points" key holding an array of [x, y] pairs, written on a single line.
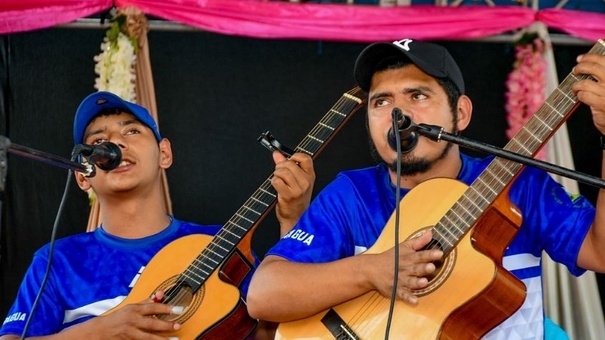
{"points": [[320, 271], [94, 272]]}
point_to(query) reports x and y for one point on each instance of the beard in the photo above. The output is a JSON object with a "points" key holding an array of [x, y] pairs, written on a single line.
{"points": [[410, 164]]}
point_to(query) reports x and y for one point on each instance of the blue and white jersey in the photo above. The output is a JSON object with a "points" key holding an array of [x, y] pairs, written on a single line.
{"points": [[91, 273], [347, 217]]}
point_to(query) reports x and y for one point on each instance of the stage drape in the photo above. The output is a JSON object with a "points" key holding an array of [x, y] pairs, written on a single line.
{"points": [[335, 22]]}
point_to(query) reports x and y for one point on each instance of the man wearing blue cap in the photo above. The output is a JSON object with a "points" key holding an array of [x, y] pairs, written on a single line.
{"points": [[94, 272], [334, 272]]}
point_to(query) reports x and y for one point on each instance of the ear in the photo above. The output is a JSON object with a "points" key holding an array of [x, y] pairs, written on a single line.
{"points": [[82, 181], [465, 112], [165, 154]]}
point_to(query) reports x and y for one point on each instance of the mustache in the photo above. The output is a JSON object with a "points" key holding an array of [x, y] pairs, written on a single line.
{"points": [[411, 164]]}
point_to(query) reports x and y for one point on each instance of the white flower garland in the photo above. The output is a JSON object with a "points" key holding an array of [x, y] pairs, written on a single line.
{"points": [[115, 67]]}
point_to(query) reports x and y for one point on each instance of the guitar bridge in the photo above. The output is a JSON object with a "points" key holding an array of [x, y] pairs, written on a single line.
{"points": [[337, 326]]}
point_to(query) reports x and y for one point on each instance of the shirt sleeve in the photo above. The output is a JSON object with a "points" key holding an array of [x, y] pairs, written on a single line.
{"points": [[319, 235], [553, 219], [47, 318]]}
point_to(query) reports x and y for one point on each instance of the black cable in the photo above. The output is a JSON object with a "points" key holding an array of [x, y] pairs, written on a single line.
{"points": [[397, 197], [50, 254], [7, 103]]}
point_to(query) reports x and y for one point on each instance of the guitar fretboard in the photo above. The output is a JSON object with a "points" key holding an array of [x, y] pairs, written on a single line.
{"points": [[248, 215], [500, 172]]}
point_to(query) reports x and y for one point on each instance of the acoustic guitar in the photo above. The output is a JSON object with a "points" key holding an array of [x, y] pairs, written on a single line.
{"points": [[471, 293], [202, 273]]}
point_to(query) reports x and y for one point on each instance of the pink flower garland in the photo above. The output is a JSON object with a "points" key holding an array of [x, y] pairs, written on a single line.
{"points": [[525, 85]]}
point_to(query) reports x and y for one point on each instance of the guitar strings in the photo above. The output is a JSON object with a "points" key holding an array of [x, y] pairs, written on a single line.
{"points": [[526, 142], [328, 124], [365, 325]]}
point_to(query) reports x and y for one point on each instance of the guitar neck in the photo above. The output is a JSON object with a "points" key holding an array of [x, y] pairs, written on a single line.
{"points": [[264, 198], [501, 172]]}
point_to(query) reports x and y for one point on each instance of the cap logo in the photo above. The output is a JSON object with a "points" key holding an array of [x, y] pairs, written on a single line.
{"points": [[403, 44], [101, 101]]}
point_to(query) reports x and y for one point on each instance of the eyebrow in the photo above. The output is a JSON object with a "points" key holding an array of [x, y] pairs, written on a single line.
{"points": [[102, 129], [421, 88]]}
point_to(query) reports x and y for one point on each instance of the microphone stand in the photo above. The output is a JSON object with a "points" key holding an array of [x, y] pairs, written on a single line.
{"points": [[437, 134], [42, 156], [7, 146]]}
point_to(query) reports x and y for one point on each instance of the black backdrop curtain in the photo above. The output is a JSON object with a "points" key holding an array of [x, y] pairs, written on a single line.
{"points": [[215, 95]]}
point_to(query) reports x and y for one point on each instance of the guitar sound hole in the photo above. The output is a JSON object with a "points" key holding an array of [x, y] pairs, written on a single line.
{"points": [[443, 267], [435, 244], [179, 295]]}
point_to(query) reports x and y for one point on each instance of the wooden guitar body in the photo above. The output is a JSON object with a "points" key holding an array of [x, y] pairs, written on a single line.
{"points": [[470, 295], [212, 311]]}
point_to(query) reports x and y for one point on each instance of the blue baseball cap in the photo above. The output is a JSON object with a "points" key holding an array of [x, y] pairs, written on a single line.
{"points": [[94, 103], [431, 58]]}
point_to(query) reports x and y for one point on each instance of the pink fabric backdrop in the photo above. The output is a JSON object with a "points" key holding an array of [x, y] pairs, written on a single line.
{"points": [[336, 22], [28, 15]]}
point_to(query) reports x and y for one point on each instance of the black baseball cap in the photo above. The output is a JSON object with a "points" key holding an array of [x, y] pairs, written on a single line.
{"points": [[95, 102], [431, 58]]}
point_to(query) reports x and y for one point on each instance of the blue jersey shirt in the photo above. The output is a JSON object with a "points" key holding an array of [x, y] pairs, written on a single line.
{"points": [[347, 217], [91, 273]]}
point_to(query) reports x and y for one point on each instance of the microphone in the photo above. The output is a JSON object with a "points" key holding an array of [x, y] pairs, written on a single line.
{"points": [[106, 156], [407, 132]]}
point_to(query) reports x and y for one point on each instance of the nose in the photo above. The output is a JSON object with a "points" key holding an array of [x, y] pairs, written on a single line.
{"points": [[397, 116], [402, 111], [405, 129], [117, 139]]}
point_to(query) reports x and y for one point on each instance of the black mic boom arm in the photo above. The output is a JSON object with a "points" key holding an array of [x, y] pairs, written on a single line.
{"points": [[436, 133], [44, 157]]}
